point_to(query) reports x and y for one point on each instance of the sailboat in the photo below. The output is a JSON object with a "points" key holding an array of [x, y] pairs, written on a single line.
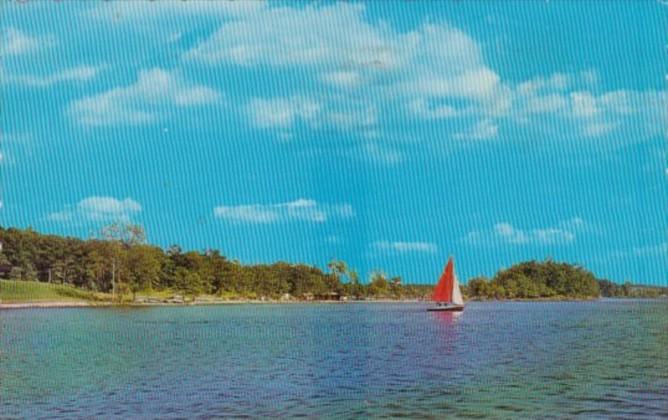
{"points": [[447, 295]]}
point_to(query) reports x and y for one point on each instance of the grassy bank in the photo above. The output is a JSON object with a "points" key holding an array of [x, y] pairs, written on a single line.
{"points": [[32, 291]]}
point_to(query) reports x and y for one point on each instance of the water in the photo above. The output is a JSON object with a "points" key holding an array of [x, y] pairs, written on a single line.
{"points": [[552, 359]]}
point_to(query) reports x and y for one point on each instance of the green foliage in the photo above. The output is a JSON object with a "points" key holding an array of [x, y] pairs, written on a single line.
{"points": [[536, 280], [122, 258], [123, 263], [31, 291], [614, 290], [379, 285]]}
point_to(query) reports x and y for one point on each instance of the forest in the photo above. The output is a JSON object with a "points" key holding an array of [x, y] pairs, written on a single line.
{"points": [[118, 261], [553, 280]]}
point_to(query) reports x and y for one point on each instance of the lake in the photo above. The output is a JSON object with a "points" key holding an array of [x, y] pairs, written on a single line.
{"points": [[505, 359]]}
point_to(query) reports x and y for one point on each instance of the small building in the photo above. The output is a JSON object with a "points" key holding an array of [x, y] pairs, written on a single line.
{"points": [[330, 296]]}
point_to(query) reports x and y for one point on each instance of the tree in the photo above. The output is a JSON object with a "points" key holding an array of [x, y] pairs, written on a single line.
{"points": [[338, 268], [143, 265], [122, 236], [16, 273], [379, 284], [354, 287], [478, 287], [188, 282], [128, 234]]}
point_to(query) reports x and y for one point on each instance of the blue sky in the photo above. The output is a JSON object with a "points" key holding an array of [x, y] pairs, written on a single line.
{"points": [[387, 134]]}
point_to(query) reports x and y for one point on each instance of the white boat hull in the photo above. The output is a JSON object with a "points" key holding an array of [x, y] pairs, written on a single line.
{"points": [[446, 308]]}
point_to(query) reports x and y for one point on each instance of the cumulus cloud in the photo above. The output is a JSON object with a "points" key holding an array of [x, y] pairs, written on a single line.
{"points": [[405, 247], [131, 11], [142, 101], [343, 79], [482, 130], [432, 71], [432, 61], [308, 36], [74, 74], [572, 102], [420, 107], [16, 42], [299, 210], [98, 209], [282, 112], [505, 233]]}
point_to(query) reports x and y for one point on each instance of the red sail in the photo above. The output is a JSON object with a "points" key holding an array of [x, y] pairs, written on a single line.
{"points": [[443, 290]]}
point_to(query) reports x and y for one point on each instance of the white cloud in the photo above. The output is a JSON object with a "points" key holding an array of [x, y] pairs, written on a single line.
{"points": [[344, 210], [343, 79], [553, 236], [298, 210], [97, 209], [378, 153], [421, 108], [282, 112], [17, 42], [505, 233], [430, 62], [310, 35], [555, 82], [482, 130], [550, 103], [142, 101], [433, 71], [571, 103], [574, 224], [74, 74], [333, 239], [131, 11], [659, 250], [509, 234], [471, 84], [583, 104], [405, 247], [353, 117]]}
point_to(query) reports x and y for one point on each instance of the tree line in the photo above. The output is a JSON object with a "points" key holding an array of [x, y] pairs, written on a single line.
{"points": [[610, 289], [551, 280], [119, 261]]}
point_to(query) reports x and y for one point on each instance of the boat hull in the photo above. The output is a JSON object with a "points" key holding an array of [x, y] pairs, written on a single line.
{"points": [[446, 308]]}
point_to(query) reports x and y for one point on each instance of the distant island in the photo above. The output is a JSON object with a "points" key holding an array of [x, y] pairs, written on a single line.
{"points": [[119, 266], [553, 280]]}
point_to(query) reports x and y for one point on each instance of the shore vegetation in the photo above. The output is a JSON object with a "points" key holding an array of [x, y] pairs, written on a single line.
{"points": [[118, 265]]}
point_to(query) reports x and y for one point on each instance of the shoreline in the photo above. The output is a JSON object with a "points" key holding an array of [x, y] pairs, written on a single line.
{"points": [[99, 304], [84, 304]]}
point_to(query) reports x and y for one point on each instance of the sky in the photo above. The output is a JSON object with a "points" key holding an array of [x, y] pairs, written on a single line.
{"points": [[387, 134]]}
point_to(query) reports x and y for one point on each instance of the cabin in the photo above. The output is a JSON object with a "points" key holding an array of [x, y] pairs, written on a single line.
{"points": [[331, 296]]}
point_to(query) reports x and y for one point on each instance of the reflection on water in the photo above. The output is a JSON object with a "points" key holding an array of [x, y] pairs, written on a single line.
{"points": [[447, 319], [592, 359]]}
